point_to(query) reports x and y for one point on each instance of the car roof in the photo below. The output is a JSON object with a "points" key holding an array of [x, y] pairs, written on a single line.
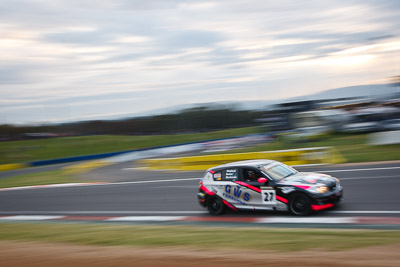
{"points": [[257, 163]]}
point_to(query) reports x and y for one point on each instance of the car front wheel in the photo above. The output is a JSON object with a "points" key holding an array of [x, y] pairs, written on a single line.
{"points": [[300, 205], [215, 206]]}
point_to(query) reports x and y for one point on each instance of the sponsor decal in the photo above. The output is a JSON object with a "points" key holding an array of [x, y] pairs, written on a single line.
{"points": [[217, 175], [231, 174], [236, 193]]}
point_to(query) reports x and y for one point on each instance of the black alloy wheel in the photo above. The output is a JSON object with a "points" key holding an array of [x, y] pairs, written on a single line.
{"points": [[300, 205], [215, 206]]}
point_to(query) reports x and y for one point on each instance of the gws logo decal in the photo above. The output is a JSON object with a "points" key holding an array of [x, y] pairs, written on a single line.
{"points": [[236, 193]]}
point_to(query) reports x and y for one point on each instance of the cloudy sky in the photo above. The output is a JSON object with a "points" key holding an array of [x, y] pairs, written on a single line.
{"points": [[89, 59]]}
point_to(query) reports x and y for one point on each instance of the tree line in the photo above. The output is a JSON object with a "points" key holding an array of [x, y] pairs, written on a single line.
{"points": [[196, 119]]}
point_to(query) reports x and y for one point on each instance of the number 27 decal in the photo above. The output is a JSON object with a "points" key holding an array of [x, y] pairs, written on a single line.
{"points": [[268, 196]]}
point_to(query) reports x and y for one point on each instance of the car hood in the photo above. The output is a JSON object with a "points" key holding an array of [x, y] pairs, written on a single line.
{"points": [[309, 178]]}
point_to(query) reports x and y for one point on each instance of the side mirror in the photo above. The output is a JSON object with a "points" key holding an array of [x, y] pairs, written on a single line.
{"points": [[262, 180]]}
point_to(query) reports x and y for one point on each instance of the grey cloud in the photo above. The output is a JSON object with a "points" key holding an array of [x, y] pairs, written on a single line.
{"points": [[16, 73], [97, 38], [151, 5], [190, 39], [173, 32]]}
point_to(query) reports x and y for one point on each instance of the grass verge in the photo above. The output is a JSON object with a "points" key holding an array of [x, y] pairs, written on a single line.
{"points": [[40, 178], [354, 147], [32, 150], [198, 237]]}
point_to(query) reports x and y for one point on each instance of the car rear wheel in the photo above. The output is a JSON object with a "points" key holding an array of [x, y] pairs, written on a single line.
{"points": [[300, 205], [215, 206]]}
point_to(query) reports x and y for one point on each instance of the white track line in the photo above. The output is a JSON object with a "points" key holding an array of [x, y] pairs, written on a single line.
{"points": [[362, 178], [30, 187], [91, 184], [366, 169], [152, 181], [365, 211]]}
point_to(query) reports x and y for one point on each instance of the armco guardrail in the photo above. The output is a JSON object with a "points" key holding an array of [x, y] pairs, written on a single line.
{"points": [[294, 157]]}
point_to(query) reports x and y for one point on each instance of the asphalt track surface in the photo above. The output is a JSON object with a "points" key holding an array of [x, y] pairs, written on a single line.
{"points": [[369, 190]]}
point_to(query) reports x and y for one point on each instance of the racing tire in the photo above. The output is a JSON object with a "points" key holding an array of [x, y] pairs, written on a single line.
{"points": [[215, 206], [300, 205]]}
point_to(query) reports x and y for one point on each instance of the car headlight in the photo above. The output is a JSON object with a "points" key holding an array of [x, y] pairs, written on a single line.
{"points": [[318, 189], [321, 189]]}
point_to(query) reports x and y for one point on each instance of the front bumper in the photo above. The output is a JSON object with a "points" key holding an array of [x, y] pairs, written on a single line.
{"points": [[327, 200]]}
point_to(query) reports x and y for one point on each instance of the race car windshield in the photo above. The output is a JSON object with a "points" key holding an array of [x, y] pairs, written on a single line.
{"points": [[279, 171]]}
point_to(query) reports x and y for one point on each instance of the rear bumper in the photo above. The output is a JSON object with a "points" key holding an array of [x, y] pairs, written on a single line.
{"points": [[201, 196]]}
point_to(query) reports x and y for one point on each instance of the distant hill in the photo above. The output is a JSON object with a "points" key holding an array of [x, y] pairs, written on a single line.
{"points": [[377, 91], [369, 91]]}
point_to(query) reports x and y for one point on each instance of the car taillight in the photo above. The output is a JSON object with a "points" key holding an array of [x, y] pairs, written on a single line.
{"points": [[200, 183]]}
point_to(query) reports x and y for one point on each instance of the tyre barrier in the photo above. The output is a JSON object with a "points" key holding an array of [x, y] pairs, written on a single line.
{"points": [[293, 157]]}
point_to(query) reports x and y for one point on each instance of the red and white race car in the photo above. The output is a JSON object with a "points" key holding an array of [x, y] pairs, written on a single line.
{"points": [[267, 185]]}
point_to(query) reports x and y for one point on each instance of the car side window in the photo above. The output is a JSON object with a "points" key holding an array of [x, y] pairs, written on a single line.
{"points": [[250, 175], [230, 174]]}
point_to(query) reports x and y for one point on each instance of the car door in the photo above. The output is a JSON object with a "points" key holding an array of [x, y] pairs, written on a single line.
{"points": [[262, 195], [231, 190]]}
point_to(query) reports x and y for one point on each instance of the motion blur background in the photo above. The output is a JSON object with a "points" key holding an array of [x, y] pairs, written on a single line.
{"points": [[298, 71], [89, 79]]}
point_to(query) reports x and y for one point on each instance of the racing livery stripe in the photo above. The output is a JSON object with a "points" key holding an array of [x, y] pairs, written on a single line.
{"points": [[281, 199], [205, 189], [248, 186], [321, 207], [229, 204]]}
